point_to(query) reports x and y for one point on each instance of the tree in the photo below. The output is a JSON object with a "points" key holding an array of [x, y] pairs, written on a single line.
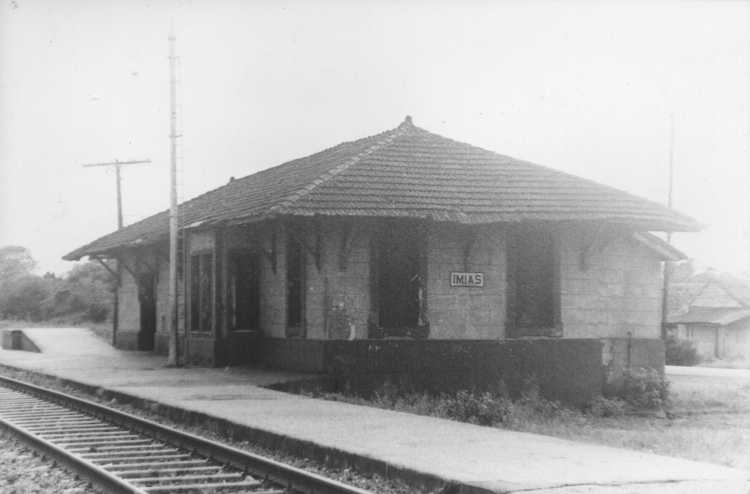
{"points": [[15, 262], [23, 297]]}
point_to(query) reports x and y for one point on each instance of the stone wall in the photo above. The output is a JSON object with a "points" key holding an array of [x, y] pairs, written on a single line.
{"points": [[613, 292], [569, 370], [622, 354], [338, 294], [129, 309], [466, 312]]}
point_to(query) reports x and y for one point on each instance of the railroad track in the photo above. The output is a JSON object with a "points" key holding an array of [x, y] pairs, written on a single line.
{"points": [[123, 453]]}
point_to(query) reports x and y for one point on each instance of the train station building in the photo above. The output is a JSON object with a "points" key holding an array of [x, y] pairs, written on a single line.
{"points": [[405, 243]]}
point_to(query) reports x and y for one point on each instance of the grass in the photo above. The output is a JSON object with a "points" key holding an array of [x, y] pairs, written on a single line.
{"points": [[709, 419]]}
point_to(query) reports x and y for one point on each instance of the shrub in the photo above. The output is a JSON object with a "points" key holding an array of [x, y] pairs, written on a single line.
{"points": [[680, 352], [476, 408], [645, 389], [601, 406]]}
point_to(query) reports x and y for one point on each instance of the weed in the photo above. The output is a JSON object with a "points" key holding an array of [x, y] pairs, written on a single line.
{"points": [[680, 352], [645, 389], [601, 406]]}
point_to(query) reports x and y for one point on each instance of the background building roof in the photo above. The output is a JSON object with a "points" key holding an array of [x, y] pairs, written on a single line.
{"points": [[406, 172], [710, 315]]}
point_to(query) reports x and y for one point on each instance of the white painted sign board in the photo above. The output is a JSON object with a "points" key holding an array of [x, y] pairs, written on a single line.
{"points": [[467, 279]]}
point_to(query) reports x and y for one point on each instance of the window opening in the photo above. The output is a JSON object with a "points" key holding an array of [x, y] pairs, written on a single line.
{"points": [[244, 293], [201, 292], [147, 303], [295, 287]]}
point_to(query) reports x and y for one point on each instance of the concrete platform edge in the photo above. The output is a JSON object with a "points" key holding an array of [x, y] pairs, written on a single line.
{"points": [[322, 454]]}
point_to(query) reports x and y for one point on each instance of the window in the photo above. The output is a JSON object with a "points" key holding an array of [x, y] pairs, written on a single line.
{"points": [[295, 288], [533, 296], [201, 292], [244, 294]]}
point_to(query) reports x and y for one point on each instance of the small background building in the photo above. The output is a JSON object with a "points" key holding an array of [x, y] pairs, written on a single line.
{"points": [[712, 311], [403, 249]]}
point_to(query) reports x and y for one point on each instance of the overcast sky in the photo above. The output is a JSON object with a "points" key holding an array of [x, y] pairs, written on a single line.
{"points": [[586, 87]]}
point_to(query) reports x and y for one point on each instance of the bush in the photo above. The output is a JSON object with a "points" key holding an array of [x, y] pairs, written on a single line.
{"points": [[607, 407], [645, 389], [680, 352], [475, 408]]}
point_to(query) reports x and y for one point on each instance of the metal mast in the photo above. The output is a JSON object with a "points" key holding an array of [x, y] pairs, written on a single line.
{"points": [[173, 357]]}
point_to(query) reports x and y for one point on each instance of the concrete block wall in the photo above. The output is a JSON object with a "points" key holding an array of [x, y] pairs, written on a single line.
{"points": [[273, 287], [461, 312], [338, 300], [620, 355], [616, 292], [129, 309]]}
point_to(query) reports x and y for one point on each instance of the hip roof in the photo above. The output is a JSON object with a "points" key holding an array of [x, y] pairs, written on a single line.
{"points": [[405, 172]]}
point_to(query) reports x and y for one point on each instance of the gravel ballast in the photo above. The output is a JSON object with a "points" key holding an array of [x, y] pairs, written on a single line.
{"points": [[373, 483], [22, 472]]}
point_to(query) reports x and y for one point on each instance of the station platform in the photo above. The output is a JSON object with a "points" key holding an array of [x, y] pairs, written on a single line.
{"points": [[422, 451]]}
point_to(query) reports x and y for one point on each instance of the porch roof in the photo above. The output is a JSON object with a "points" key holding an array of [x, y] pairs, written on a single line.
{"points": [[720, 316], [405, 172]]}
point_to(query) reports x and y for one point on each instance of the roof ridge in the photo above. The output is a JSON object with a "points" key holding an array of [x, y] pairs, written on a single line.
{"points": [[280, 208]]}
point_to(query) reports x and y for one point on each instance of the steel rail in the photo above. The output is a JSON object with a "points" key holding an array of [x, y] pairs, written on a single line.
{"points": [[260, 466], [95, 474]]}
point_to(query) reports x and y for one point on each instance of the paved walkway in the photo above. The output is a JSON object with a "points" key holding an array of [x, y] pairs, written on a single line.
{"points": [[483, 458], [677, 370]]}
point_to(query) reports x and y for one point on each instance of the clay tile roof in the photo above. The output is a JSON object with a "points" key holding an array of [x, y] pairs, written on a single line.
{"points": [[406, 172]]}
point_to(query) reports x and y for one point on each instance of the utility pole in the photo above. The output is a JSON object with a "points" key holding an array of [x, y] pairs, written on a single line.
{"points": [[118, 179], [667, 265], [117, 164], [173, 356]]}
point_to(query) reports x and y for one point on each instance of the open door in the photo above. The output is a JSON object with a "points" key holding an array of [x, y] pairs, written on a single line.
{"points": [[147, 302]]}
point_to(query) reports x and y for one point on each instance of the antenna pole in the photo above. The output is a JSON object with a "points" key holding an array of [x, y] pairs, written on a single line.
{"points": [[173, 357]]}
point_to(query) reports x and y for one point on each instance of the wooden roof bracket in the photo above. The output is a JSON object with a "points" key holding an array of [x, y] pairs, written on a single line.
{"points": [[127, 268], [104, 264], [469, 244], [596, 245], [271, 253], [152, 269], [314, 250], [348, 234]]}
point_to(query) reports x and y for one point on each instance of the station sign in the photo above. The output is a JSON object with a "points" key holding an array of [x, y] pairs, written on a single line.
{"points": [[467, 279]]}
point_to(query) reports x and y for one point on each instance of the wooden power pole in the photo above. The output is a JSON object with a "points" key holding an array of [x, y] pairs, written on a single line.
{"points": [[118, 179], [667, 265], [173, 356]]}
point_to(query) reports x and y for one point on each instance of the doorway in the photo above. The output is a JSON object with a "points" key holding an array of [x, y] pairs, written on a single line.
{"points": [[533, 281], [399, 279], [147, 302], [244, 292]]}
